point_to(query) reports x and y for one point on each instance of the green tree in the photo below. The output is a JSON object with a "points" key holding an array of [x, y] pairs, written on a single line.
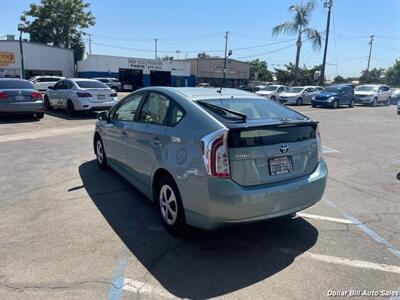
{"points": [[299, 25], [339, 79], [60, 23], [305, 75], [373, 76], [392, 75], [259, 70]]}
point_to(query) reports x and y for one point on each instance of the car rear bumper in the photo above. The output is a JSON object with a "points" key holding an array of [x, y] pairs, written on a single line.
{"points": [[94, 106], [230, 203], [22, 107]]}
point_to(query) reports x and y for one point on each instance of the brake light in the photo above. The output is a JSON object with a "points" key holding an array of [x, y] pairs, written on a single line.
{"points": [[83, 94], [37, 96], [3, 95], [114, 95], [319, 143], [215, 154]]}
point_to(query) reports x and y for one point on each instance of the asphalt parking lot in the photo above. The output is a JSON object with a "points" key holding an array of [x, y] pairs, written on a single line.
{"points": [[69, 230]]}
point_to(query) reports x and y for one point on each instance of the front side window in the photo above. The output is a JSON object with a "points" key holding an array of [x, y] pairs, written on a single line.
{"points": [[126, 112], [60, 85], [155, 109]]}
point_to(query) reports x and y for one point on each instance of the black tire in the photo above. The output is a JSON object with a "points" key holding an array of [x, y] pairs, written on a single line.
{"points": [[273, 98], [39, 115], [101, 156], [334, 104], [313, 105], [374, 102], [351, 104], [169, 201], [70, 108], [299, 102], [47, 104]]}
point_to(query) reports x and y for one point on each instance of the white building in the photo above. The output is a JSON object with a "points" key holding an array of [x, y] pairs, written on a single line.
{"points": [[39, 59], [137, 72]]}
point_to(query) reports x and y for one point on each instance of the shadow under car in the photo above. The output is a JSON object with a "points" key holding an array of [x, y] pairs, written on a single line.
{"points": [[201, 264]]}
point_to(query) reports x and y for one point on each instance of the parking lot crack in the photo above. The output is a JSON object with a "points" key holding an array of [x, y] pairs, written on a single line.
{"points": [[21, 287]]}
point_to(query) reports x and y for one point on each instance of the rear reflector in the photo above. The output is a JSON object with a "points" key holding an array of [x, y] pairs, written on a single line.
{"points": [[3, 95], [80, 94]]}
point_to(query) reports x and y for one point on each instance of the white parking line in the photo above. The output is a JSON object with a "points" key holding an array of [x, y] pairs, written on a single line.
{"points": [[324, 218], [45, 133], [143, 288], [352, 263], [327, 149]]}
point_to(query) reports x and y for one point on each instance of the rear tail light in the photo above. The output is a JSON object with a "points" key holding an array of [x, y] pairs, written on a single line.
{"points": [[83, 94], [114, 95], [37, 96], [3, 95], [319, 143], [215, 154]]}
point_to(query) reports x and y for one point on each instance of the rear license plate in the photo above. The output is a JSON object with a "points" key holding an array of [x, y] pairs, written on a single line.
{"points": [[280, 165], [19, 98], [101, 97]]}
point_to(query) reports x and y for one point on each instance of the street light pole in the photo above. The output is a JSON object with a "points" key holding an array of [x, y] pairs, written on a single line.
{"points": [[226, 55], [328, 3], [21, 28]]}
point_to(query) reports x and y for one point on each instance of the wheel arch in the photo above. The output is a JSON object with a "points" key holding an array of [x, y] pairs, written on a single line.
{"points": [[158, 174]]}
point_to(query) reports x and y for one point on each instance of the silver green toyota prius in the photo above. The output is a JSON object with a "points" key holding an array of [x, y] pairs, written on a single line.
{"points": [[212, 157]]}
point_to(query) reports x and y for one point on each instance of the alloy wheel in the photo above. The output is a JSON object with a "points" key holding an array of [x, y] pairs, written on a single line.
{"points": [[168, 204], [99, 152]]}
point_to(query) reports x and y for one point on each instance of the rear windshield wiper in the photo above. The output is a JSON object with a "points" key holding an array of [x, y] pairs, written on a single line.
{"points": [[220, 110]]}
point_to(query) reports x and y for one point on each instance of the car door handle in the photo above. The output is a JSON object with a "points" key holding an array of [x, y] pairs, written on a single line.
{"points": [[156, 142]]}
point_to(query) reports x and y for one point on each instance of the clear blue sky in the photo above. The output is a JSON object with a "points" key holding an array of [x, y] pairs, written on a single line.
{"points": [[192, 26]]}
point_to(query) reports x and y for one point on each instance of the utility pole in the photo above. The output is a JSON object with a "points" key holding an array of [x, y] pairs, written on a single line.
{"points": [[155, 48], [226, 54], [327, 4], [21, 28], [90, 43], [371, 39]]}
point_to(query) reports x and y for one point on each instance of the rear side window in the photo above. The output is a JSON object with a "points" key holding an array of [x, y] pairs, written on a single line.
{"points": [[90, 84], [16, 84], [257, 108], [155, 109]]}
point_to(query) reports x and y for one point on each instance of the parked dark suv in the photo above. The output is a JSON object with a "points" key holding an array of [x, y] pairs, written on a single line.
{"points": [[334, 96]]}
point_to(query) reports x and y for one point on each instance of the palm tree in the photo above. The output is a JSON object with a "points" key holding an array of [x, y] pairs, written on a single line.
{"points": [[299, 26]]}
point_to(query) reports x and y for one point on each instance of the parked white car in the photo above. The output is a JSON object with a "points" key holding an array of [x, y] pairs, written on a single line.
{"points": [[80, 94], [372, 94], [42, 83], [272, 91], [298, 95]]}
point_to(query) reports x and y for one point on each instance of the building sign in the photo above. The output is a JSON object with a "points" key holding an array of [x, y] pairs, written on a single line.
{"points": [[145, 64], [7, 58]]}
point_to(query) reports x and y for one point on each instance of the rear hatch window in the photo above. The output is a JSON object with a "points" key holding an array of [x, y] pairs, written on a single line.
{"points": [[272, 144]]}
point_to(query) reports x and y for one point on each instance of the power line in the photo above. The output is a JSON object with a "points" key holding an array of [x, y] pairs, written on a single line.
{"points": [[268, 52]]}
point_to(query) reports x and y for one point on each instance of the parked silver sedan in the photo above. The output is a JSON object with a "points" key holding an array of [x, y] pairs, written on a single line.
{"points": [[210, 158], [79, 94], [19, 96], [298, 95], [272, 91]]}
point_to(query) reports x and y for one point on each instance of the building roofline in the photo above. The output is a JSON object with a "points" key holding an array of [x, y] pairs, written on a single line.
{"points": [[35, 43], [213, 58]]}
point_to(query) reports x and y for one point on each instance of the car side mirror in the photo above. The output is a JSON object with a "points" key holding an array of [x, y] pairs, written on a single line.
{"points": [[103, 116]]}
